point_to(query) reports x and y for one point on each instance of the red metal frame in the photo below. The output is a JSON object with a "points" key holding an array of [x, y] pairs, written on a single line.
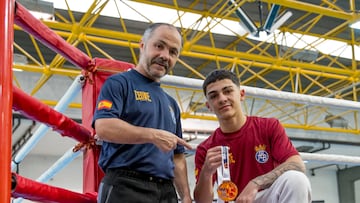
{"points": [[6, 52], [90, 93], [92, 172]]}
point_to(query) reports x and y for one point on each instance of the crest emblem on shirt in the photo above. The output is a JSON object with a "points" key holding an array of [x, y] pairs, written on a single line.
{"points": [[261, 155]]}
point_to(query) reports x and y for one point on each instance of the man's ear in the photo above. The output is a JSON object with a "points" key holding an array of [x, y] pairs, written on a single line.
{"points": [[242, 94], [208, 106], [141, 45]]}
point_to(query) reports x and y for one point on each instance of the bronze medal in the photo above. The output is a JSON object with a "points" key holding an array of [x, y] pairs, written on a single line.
{"points": [[227, 191]]}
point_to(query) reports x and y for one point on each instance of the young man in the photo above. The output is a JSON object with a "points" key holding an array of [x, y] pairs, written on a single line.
{"points": [[263, 163], [142, 152]]}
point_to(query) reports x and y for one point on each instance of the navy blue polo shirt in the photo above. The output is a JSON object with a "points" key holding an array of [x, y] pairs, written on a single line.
{"points": [[141, 102]]}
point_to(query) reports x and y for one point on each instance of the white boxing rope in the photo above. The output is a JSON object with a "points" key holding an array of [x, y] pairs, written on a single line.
{"points": [[63, 161], [61, 106], [178, 81], [331, 158]]}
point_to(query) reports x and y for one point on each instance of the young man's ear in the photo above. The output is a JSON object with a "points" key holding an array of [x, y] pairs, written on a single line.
{"points": [[208, 106], [242, 94]]}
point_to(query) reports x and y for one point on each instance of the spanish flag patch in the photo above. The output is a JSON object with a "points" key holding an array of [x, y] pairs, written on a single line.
{"points": [[104, 104]]}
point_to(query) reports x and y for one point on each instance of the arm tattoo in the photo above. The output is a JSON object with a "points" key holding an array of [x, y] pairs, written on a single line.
{"points": [[267, 179]]}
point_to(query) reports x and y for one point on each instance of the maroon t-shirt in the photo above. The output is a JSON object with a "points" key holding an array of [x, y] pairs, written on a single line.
{"points": [[257, 148]]}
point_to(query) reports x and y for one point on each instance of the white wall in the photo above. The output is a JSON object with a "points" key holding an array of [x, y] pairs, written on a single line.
{"points": [[324, 184], [357, 188]]}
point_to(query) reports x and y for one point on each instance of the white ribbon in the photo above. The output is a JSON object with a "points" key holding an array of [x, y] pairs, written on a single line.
{"points": [[223, 171]]}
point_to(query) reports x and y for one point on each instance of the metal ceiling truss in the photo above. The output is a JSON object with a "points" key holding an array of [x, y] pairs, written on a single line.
{"points": [[270, 65]]}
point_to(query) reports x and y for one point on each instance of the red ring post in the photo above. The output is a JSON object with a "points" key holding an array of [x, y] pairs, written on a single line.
{"points": [[6, 55]]}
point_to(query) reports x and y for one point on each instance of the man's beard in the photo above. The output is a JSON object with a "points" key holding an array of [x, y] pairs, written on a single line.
{"points": [[158, 62], [162, 62]]}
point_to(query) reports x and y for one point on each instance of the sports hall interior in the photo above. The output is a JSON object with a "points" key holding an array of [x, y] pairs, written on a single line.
{"points": [[298, 61]]}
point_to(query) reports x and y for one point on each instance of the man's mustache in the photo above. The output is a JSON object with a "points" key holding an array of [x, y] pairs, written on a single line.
{"points": [[161, 62]]}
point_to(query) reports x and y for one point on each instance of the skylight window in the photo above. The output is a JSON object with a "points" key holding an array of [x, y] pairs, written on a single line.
{"points": [[356, 25], [148, 13]]}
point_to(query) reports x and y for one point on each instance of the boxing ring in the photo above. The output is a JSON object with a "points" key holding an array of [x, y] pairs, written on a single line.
{"points": [[94, 73]]}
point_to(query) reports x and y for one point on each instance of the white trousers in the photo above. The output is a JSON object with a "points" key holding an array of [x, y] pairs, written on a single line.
{"points": [[290, 187]]}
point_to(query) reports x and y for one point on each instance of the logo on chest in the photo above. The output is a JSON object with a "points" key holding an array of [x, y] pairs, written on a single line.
{"points": [[261, 154], [142, 96]]}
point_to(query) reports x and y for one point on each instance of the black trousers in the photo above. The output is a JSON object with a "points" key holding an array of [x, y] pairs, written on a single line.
{"points": [[125, 186]]}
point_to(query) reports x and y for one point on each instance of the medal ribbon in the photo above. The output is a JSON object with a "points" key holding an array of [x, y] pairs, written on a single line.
{"points": [[225, 163], [227, 190]]}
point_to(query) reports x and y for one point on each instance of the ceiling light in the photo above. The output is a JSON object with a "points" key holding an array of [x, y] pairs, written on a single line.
{"points": [[355, 25], [245, 22], [273, 21], [281, 20], [271, 17]]}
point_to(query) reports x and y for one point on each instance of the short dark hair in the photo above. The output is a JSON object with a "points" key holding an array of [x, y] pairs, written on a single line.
{"points": [[220, 74]]}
